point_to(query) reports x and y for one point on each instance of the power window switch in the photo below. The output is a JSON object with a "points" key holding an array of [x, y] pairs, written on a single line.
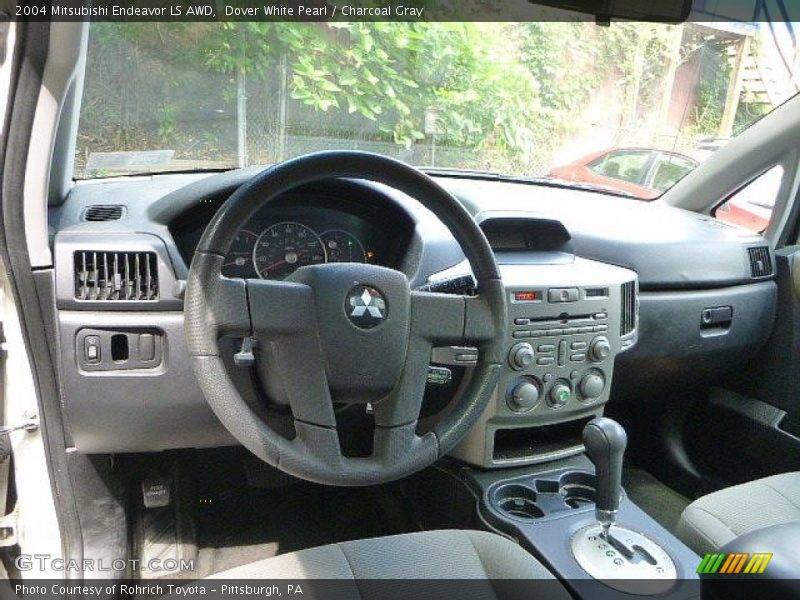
{"points": [[91, 349]]}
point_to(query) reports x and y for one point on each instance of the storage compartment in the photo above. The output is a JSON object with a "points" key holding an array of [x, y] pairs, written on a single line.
{"points": [[526, 442], [119, 347], [540, 496]]}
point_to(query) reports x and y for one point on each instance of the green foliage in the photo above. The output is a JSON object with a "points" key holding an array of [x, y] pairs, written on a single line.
{"points": [[391, 73], [709, 56], [169, 121], [708, 112], [748, 113], [506, 94]]}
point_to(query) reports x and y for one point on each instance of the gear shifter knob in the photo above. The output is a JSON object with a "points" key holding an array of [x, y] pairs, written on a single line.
{"points": [[605, 442]]}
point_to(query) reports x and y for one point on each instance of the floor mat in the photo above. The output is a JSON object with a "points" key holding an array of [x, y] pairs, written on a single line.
{"points": [[662, 503], [244, 524]]}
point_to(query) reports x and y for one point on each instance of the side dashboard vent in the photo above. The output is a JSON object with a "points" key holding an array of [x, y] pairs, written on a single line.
{"points": [[628, 322], [104, 212], [110, 276], [760, 261]]}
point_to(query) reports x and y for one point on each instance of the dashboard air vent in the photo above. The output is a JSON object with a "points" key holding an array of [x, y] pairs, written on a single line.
{"points": [[760, 261], [110, 276], [104, 212], [628, 322]]}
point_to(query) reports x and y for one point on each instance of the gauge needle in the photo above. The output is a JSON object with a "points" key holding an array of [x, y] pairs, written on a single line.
{"points": [[274, 265]]}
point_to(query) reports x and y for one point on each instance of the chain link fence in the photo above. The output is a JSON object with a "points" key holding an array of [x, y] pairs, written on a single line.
{"points": [[279, 127], [136, 99]]}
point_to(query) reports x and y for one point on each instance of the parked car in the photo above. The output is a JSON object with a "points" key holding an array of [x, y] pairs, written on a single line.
{"points": [[750, 215], [752, 206], [645, 173]]}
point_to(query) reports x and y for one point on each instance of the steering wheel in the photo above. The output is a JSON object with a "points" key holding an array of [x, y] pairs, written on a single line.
{"points": [[344, 332]]}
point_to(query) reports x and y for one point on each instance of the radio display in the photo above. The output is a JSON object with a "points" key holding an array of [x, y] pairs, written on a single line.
{"points": [[527, 296]]}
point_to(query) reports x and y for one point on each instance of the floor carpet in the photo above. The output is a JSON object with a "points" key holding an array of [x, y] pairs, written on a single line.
{"points": [[246, 524]]}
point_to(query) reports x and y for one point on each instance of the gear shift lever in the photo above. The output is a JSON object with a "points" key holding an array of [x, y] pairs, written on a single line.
{"points": [[605, 442], [626, 559]]}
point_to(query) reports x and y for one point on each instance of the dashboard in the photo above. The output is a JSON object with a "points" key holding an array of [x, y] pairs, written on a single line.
{"points": [[578, 266]]}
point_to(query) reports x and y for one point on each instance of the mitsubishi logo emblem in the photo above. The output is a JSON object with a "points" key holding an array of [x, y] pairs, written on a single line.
{"points": [[365, 306]]}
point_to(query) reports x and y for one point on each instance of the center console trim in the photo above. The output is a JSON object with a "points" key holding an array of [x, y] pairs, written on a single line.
{"points": [[549, 537]]}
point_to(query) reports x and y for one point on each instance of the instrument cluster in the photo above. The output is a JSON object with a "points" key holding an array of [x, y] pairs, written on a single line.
{"points": [[275, 245]]}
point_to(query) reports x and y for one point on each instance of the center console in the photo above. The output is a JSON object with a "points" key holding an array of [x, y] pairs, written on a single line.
{"points": [[575, 518], [568, 319]]}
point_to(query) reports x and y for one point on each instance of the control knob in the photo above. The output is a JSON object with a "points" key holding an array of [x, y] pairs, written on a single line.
{"points": [[520, 356], [592, 385], [560, 394], [599, 349], [524, 396]]}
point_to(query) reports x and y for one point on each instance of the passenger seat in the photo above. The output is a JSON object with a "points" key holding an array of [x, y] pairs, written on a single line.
{"points": [[716, 519]]}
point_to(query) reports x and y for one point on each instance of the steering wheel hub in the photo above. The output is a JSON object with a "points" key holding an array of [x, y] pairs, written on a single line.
{"points": [[366, 307], [363, 346]]}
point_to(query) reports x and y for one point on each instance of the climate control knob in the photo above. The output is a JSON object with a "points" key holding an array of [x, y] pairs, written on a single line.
{"points": [[524, 396], [520, 356], [592, 385], [599, 349], [559, 395]]}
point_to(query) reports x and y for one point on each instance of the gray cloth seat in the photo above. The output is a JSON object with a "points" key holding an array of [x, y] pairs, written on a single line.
{"points": [[430, 555], [716, 519]]}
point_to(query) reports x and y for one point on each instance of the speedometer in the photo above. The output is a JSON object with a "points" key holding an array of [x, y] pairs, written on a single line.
{"points": [[343, 246], [285, 247]]}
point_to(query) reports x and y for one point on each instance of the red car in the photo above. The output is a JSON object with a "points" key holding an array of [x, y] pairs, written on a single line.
{"points": [[754, 217], [751, 207], [645, 173]]}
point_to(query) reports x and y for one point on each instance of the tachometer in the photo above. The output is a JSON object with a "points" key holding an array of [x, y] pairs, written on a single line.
{"points": [[343, 246], [237, 260], [285, 247]]}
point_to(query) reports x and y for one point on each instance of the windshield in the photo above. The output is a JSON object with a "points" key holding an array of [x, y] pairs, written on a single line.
{"points": [[629, 108]]}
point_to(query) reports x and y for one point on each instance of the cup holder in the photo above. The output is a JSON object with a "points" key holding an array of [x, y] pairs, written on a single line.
{"points": [[577, 489], [531, 499], [518, 501]]}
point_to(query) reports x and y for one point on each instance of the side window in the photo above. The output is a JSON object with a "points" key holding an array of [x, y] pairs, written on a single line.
{"points": [[752, 206], [624, 165], [669, 170]]}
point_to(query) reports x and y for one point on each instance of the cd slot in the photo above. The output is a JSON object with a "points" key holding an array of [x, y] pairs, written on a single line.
{"points": [[562, 317], [562, 320], [548, 323]]}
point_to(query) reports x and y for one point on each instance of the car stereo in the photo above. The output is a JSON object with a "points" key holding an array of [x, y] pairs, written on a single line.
{"points": [[567, 322]]}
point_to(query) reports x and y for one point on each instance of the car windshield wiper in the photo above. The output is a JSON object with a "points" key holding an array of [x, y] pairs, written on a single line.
{"points": [[547, 181], [182, 171], [589, 187]]}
